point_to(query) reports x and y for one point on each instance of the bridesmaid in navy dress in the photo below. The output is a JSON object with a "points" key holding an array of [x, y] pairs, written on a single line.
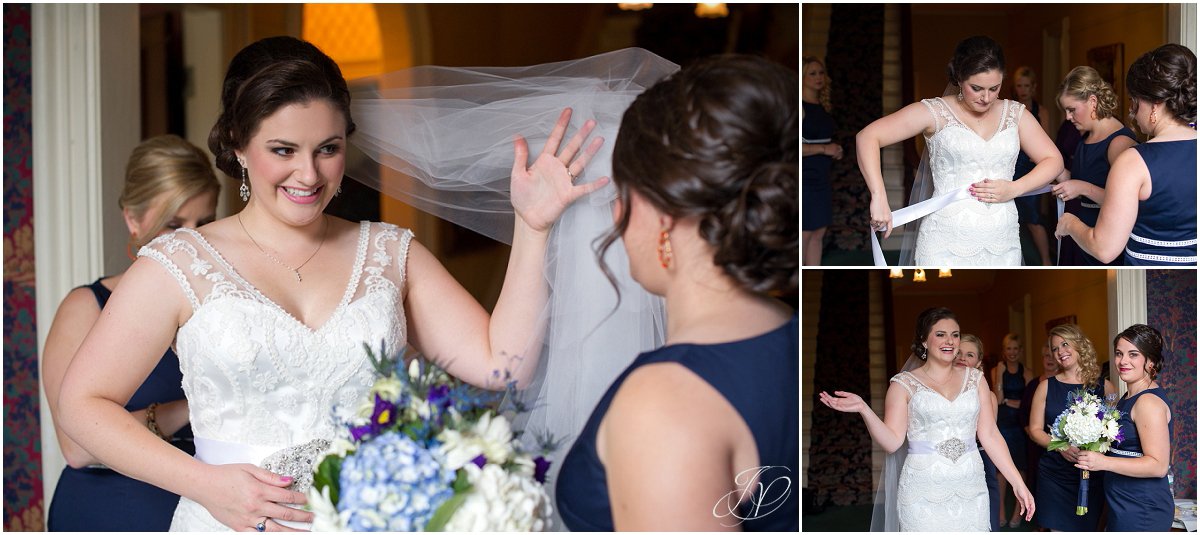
{"points": [[1089, 103], [1058, 478], [819, 152], [1150, 198], [679, 439], [169, 183], [1135, 487]]}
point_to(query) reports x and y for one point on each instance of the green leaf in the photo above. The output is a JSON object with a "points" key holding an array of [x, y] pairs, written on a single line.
{"points": [[329, 474], [441, 517], [461, 483], [1056, 445]]}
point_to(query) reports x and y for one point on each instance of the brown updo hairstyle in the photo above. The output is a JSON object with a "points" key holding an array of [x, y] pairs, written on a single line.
{"points": [[1166, 74], [719, 141], [1149, 342], [262, 78], [164, 172], [1089, 370], [1084, 82], [925, 322], [972, 56]]}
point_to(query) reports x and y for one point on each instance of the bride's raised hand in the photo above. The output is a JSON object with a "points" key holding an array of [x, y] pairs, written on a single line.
{"points": [[543, 190], [843, 401], [881, 215], [243, 495]]}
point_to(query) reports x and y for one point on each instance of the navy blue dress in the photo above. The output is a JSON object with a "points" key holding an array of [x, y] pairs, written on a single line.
{"points": [[99, 499], [1058, 480], [759, 377], [817, 128], [1027, 205], [1165, 231], [1137, 503], [1008, 419], [1090, 165]]}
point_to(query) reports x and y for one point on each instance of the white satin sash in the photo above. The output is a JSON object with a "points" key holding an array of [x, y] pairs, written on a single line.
{"points": [[212, 451], [912, 213]]}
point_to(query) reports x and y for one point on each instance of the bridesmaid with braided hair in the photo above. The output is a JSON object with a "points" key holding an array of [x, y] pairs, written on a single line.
{"points": [[1149, 208]]}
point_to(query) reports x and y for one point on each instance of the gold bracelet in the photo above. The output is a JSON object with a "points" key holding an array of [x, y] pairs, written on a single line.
{"points": [[152, 423]]}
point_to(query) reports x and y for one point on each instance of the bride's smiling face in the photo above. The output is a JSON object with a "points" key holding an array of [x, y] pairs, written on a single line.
{"points": [[980, 90], [942, 340]]}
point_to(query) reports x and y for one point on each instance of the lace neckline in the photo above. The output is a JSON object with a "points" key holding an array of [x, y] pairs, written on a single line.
{"points": [[962, 388], [355, 275], [999, 124]]}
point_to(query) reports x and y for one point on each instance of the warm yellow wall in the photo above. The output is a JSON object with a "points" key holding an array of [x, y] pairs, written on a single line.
{"points": [[1053, 293]]}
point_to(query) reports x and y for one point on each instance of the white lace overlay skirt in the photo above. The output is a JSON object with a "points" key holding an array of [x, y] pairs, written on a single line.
{"points": [[970, 233], [938, 494]]}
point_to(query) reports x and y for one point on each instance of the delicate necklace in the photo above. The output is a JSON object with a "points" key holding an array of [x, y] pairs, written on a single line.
{"points": [[296, 269]]}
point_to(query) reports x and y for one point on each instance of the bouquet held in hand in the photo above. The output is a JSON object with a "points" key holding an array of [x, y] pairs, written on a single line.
{"points": [[1088, 423], [429, 453]]}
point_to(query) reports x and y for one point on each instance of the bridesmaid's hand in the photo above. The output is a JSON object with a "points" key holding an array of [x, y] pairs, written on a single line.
{"points": [[1064, 225], [1071, 454], [542, 191], [993, 191], [834, 151], [1025, 501], [844, 402], [1068, 190], [1091, 460]]}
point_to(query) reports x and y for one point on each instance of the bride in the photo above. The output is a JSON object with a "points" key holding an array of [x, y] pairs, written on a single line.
{"points": [[972, 142], [935, 407]]}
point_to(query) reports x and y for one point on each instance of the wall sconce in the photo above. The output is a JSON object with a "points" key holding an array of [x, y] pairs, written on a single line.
{"points": [[712, 10], [919, 275], [944, 273], [634, 7], [896, 273]]}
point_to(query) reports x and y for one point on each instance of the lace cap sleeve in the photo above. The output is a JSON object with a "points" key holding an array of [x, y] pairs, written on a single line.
{"points": [[973, 377], [1014, 111], [906, 380], [941, 114], [173, 252]]}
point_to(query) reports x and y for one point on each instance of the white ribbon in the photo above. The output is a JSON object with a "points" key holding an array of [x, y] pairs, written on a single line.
{"points": [[912, 213]]}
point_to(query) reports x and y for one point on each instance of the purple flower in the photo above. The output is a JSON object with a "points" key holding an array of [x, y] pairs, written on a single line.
{"points": [[540, 467], [383, 415], [480, 460], [439, 396]]}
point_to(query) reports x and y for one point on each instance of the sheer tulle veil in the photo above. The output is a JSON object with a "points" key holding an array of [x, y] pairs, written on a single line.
{"points": [[885, 516], [440, 139]]}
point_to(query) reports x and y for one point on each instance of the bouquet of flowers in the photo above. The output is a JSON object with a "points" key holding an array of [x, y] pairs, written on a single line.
{"points": [[1088, 423], [429, 453]]}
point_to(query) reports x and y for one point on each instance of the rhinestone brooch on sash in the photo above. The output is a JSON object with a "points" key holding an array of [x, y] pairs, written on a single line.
{"points": [[296, 461], [952, 448]]}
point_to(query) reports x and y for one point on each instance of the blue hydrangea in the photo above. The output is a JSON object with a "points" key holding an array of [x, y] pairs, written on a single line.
{"points": [[392, 484]]}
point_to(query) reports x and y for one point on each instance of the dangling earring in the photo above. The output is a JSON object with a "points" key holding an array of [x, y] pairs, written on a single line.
{"points": [[1153, 119], [244, 191], [664, 249], [129, 246], [960, 95], [924, 353]]}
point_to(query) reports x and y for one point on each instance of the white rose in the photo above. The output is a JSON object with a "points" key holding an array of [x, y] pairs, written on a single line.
{"points": [[388, 388], [501, 501], [490, 437], [325, 515]]}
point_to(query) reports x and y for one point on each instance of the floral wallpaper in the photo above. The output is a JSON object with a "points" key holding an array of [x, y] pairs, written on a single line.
{"points": [[23, 500], [839, 453], [1171, 308]]}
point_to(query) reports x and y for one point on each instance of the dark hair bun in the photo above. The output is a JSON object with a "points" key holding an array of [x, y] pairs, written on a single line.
{"points": [[974, 55], [1166, 74]]}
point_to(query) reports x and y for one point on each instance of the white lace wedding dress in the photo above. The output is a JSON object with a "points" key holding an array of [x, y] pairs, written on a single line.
{"points": [[941, 485], [969, 232], [256, 378]]}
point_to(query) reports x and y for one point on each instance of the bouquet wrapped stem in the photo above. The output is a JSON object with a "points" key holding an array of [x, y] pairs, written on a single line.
{"points": [[1088, 423]]}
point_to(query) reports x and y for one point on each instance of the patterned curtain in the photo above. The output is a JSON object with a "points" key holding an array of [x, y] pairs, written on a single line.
{"points": [[839, 458], [1172, 310], [22, 439], [854, 62]]}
